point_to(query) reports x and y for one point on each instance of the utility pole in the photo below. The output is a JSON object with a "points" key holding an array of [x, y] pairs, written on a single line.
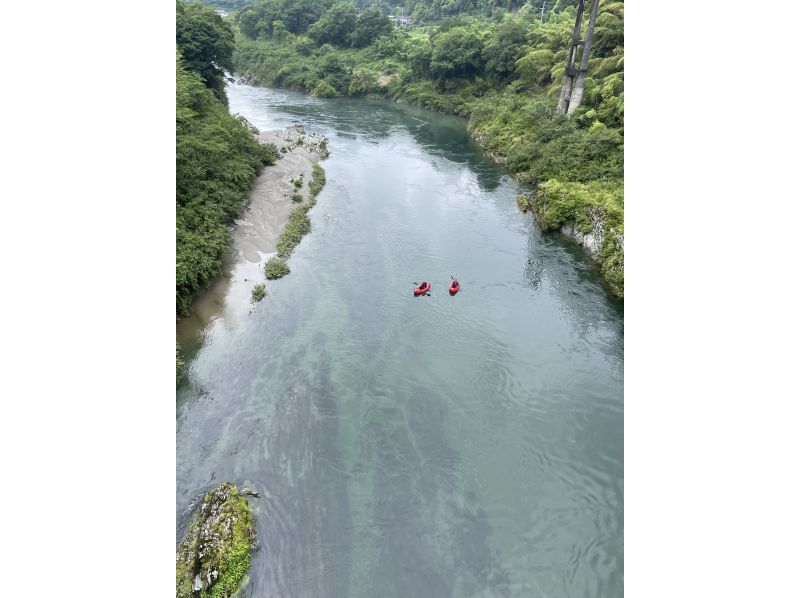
{"points": [[577, 89], [543, 6], [569, 74]]}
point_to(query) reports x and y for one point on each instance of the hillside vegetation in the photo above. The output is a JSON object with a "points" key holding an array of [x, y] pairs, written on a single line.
{"points": [[216, 155], [504, 73]]}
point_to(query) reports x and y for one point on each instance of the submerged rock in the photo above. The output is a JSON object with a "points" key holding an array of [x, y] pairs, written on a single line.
{"points": [[214, 556]]}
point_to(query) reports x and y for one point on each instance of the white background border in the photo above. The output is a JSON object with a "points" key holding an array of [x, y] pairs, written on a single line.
{"points": [[87, 432]]}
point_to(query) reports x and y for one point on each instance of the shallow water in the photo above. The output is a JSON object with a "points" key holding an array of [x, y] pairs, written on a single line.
{"points": [[438, 446]]}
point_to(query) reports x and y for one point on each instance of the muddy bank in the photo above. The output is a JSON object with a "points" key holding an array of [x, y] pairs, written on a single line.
{"points": [[255, 232]]}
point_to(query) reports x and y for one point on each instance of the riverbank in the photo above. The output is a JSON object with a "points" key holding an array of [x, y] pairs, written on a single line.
{"points": [[256, 232], [508, 92], [345, 399]]}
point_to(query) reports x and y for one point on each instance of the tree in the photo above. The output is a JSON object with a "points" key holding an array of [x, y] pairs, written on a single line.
{"points": [[299, 15], [534, 68], [335, 24], [504, 49], [206, 43], [371, 24], [456, 53]]}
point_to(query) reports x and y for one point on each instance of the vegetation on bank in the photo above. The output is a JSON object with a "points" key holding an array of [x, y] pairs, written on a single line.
{"points": [[504, 73], [214, 556], [276, 267], [217, 155], [258, 293], [297, 226]]}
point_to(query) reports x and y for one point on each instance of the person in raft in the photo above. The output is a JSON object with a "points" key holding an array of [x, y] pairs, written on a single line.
{"points": [[423, 285]]}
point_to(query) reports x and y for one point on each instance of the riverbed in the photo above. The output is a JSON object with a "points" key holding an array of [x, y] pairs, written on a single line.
{"points": [[413, 447]]}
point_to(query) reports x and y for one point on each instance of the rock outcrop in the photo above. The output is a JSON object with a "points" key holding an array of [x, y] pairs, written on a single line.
{"points": [[214, 556]]}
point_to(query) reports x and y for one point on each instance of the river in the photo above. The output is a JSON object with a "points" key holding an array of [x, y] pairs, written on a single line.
{"points": [[415, 447]]}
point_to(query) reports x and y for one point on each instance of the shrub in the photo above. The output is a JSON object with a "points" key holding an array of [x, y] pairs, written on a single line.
{"points": [[318, 179], [276, 268], [258, 293], [297, 197], [297, 226], [323, 90], [523, 203], [298, 183]]}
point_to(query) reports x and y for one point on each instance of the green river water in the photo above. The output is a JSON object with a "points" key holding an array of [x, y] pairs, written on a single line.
{"points": [[432, 447]]}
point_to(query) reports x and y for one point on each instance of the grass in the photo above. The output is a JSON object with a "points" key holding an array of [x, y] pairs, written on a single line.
{"points": [[297, 197], [258, 293]]}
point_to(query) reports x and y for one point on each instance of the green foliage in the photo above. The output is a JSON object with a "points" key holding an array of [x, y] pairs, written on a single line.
{"points": [[523, 203], [335, 25], [178, 359], [206, 43], [219, 539], [296, 228], [560, 202], [456, 53], [296, 16], [258, 293], [371, 24], [538, 143], [298, 182], [323, 90], [276, 267], [587, 205], [502, 72], [297, 197], [317, 181], [504, 48], [216, 160]]}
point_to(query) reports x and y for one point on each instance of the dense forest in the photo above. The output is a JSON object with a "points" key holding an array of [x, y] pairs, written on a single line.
{"points": [[502, 68], [216, 153]]}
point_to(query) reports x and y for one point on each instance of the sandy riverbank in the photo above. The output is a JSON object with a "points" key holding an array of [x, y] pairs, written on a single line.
{"points": [[255, 233]]}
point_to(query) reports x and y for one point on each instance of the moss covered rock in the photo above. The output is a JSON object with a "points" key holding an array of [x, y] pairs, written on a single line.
{"points": [[214, 556]]}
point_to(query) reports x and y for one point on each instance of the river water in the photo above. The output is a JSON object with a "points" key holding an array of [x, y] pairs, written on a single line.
{"points": [[430, 447]]}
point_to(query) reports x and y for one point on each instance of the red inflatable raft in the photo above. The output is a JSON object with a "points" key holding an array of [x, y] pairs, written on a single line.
{"points": [[422, 289], [454, 287]]}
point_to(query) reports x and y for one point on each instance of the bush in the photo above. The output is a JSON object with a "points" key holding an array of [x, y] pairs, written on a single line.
{"points": [[323, 90], [318, 180], [298, 183], [523, 203], [297, 197], [294, 231], [276, 268], [258, 293]]}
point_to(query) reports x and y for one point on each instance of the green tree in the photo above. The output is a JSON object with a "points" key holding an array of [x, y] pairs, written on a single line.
{"points": [[371, 24], [335, 25], [456, 53], [535, 67], [206, 43], [504, 48], [216, 159], [299, 15]]}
